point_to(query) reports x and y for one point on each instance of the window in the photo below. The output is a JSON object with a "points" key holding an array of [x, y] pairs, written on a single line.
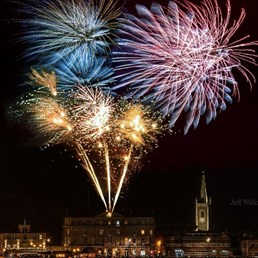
{"points": [[142, 232], [128, 241], [109, 239], [117, 223], [118, 241], [202, 216], [40, 236]]}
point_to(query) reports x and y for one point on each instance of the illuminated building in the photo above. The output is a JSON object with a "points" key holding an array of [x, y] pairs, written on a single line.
{"points": [[202, 208], [114, 235], [23, 241]]}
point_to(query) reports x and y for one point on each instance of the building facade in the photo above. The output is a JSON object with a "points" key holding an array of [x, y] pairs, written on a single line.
{"points": [[249, 247], [198, 244], [114, 235], [23, 241]]}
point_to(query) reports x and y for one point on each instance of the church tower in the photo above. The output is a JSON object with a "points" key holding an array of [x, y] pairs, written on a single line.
{"points": [[202, 208]]}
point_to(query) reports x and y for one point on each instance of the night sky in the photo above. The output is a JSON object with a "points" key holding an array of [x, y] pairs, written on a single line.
{"points": [[44, 186]]}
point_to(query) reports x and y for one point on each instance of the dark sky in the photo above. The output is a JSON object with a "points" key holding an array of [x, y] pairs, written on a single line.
{"points": [[44, 186]]}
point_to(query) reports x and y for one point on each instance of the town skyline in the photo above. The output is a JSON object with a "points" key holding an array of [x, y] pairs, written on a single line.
{"points": [[43, 186]]}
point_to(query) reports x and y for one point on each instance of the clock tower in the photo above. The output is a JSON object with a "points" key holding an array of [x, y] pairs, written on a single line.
{"points": [[202, 208]]}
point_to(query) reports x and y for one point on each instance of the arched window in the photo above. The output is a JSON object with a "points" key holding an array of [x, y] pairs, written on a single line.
{"points": [[202, 214]]}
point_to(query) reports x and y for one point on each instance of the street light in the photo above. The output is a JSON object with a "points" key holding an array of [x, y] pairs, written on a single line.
{"points": [[158, 244]]}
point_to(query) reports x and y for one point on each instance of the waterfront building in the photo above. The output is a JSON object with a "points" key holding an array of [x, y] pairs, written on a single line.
{"points": [[23, 241], [114, 235]]}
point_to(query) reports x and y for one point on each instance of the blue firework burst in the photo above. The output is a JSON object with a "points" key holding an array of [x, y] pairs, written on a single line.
{"points": [[90, 71], [77, 26]]}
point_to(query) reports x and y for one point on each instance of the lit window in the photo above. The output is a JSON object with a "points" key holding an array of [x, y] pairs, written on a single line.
{"points": [[40, 236], [142, 232], [202, 216]]}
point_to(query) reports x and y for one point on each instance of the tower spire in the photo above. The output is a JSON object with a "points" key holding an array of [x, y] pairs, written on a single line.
{"points": [[203, 191], [202, 208]]}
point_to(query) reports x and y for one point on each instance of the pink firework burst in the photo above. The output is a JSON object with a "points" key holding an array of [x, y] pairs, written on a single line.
{"points": [[182, 58]]}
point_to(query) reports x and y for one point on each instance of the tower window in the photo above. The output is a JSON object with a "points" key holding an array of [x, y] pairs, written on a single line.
{"points": [[202, 216]]}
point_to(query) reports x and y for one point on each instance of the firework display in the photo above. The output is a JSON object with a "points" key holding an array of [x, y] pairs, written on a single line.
{"points": [[87, 71], [110, 135], [106, 85], [182, 60], [70, 29]]}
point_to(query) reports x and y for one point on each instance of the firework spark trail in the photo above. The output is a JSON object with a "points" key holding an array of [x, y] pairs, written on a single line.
{"points": [[112, 128], [92, 114], [107, 159], [121, 181], [136, 127], [89, 168], [182, 61], [63, 27], [132, 125]]}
